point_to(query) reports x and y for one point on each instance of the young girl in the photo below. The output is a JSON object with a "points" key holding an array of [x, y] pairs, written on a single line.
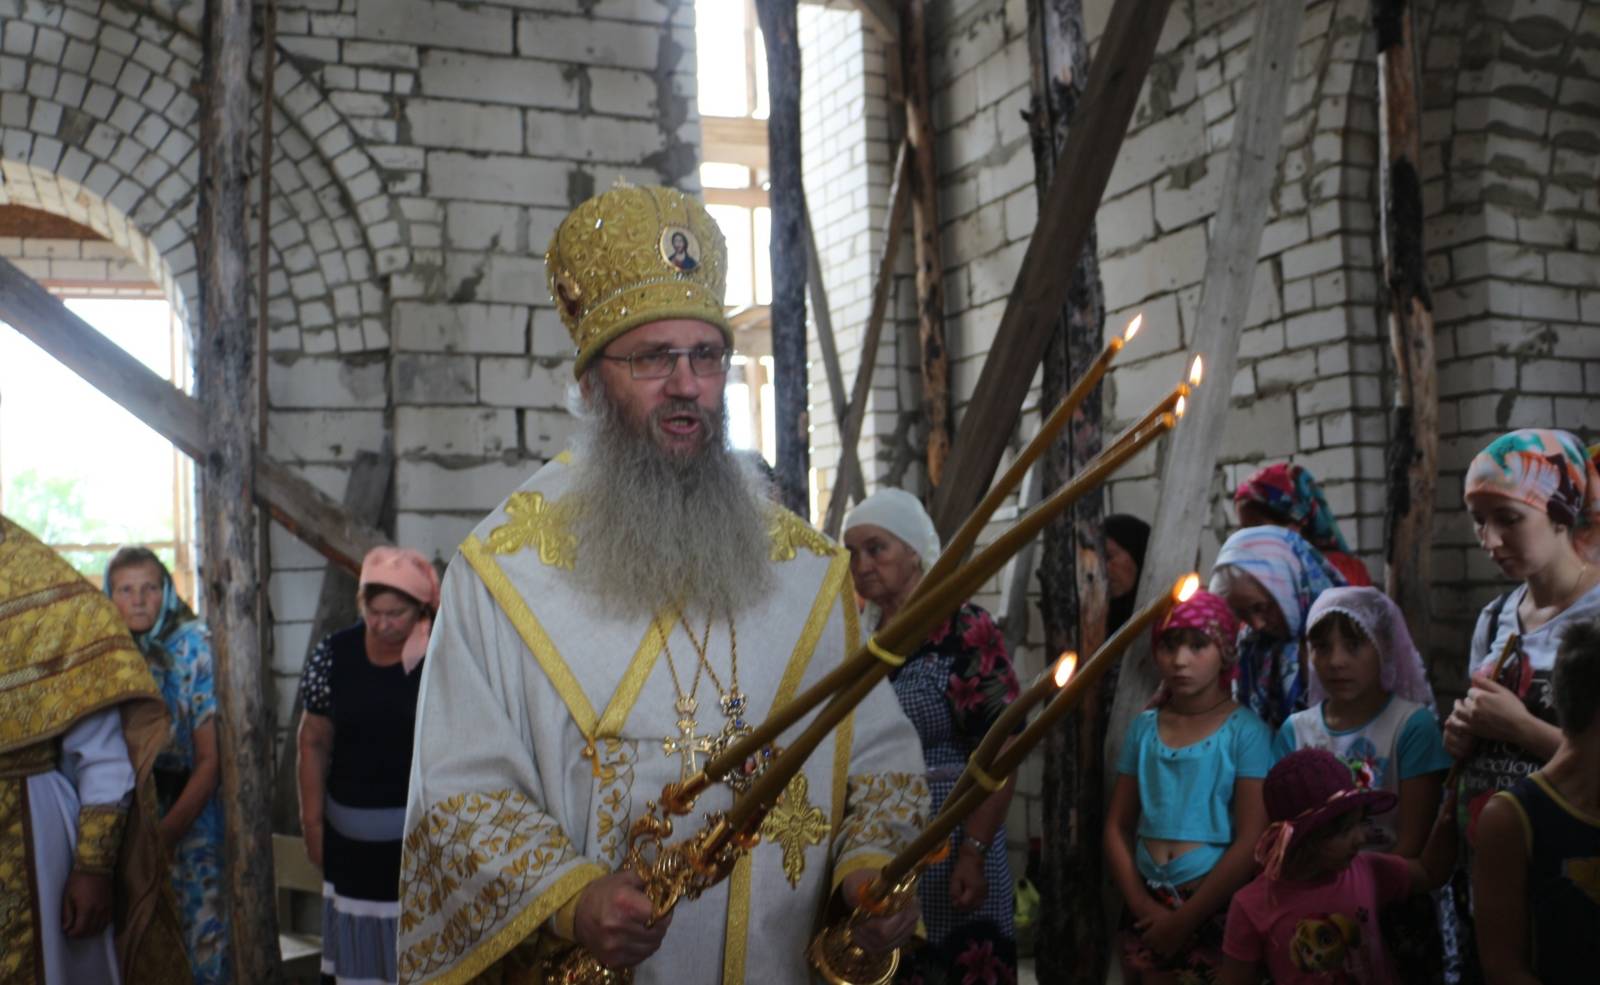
{"points": [[1311, 917], [1371, 706], [1186, 809], [1534, 497]]}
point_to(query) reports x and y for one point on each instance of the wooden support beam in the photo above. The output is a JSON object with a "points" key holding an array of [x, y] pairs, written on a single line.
{"points": [[1413, 449], [882, 287], [230, 573], [1186, 475], [925, 226], [780, 32], [364, 495], [880, 18], [1072, 571], [849, 477], [1121, 61], [302, 508]]}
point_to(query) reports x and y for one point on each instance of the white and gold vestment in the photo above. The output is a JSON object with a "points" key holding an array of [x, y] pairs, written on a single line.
{"points": [[539, 737]]}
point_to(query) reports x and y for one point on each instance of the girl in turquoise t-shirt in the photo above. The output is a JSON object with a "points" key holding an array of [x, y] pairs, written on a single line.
{"points": [[1186, 809]]}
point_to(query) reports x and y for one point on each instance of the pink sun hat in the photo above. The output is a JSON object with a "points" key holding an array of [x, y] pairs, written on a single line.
{"points": [[1304, 792]]}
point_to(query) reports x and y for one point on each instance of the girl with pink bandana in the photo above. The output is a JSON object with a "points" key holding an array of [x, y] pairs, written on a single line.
{"points": [[1186, 809], [1534, 497]]}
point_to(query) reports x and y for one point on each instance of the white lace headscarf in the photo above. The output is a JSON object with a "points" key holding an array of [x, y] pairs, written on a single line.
{"points": [[1401, 670]]}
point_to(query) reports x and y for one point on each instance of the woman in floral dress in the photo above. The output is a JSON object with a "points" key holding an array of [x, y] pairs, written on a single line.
{"points": [[952, 688], [177, 647]]}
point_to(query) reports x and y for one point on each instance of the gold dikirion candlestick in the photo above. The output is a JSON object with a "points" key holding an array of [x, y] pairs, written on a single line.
{"points": [[833, 952]]}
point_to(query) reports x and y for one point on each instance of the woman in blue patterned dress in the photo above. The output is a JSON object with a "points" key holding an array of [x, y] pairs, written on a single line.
{"points": [[952, 688], [178, 648]]}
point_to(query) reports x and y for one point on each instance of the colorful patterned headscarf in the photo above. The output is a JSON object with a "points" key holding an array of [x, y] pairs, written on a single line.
{"points": [[1550, 471], [1293, 493], [1294, 574], [1380, 620]]}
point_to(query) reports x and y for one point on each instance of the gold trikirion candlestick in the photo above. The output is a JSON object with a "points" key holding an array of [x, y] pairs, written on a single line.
{"points": [[833, 952]]}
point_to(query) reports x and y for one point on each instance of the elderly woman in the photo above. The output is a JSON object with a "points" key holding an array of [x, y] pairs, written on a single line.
{"points": [[177, 647], [952, 688], [1287, 495], [359, 691], [1270, 576]]}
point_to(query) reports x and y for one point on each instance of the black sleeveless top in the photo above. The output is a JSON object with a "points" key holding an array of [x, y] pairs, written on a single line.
{"points": [[1563, 889], [374, 711]]}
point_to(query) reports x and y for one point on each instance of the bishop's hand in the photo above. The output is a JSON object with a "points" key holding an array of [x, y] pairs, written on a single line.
{"points": [[612, 921], [879, 935]]}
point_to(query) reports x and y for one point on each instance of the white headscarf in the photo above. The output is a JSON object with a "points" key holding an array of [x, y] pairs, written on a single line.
{"points": [[1402, 671], [900, 513]]}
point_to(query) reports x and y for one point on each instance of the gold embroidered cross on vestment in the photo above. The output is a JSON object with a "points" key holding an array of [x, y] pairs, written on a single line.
{"points": [[794, 824], [531, 521]]}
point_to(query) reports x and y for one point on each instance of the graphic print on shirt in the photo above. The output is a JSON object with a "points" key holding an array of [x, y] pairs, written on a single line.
{"points": [[1585, 874], [1327, 944]]}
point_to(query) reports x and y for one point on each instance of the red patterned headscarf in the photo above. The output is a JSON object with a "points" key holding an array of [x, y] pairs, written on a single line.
{"points": [[1549, 470], [1209, 614]]}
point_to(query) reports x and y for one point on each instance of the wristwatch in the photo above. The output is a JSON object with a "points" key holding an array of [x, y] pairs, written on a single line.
{"points": [[981, 846]]}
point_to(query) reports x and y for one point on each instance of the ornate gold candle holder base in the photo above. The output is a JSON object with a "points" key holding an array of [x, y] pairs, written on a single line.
{"points": [[576, 966], [835, 956]]}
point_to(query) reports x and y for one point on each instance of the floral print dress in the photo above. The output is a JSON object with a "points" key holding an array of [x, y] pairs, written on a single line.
{"points": [[952, 689], [186, 686]]}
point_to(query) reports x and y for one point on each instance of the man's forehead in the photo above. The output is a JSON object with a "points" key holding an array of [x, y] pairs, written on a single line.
{"points": [[671, 332]]}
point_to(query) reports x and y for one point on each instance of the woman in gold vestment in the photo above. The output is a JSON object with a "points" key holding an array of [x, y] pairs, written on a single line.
{"points": [[83, 893]]}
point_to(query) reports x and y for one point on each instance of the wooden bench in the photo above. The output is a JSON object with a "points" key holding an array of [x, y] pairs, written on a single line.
{"points": [[294, 872]]}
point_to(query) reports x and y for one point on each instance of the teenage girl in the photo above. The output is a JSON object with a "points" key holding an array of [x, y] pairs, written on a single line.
{"points": [[1186, 809]]}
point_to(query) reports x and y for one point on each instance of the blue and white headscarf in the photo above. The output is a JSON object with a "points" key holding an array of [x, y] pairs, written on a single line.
{"points": [[174, 618], [1294, 573]]}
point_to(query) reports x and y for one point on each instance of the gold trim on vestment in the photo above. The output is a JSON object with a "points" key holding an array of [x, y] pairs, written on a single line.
{"points": [[554, 665], [500, 943], [17, 953], [738, 924], [99, 837]]}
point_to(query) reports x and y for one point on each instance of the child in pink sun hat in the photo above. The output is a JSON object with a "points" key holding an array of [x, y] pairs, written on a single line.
{"points": [[1310, 917]]}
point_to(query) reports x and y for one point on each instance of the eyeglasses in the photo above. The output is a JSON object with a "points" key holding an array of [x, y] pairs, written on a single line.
{"points": [[658, 364]]}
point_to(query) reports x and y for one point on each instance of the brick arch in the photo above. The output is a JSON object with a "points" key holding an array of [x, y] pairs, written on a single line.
{"points": [[102, 98]]}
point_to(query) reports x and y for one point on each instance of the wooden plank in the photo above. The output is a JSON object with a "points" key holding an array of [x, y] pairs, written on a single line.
{"points": [[1072, 587], [302, 508], [925, 228], [879, 16], [1248, 180], [780, 32], [230, 574], [364, 495], [1121, 61], [849, 465], [1413, 449], [882, 287]]}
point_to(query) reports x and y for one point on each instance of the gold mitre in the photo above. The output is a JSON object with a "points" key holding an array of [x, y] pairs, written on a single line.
{"points": [[633, 255]]}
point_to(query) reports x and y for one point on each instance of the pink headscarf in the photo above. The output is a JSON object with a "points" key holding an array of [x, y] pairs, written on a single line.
{"points": [[1402, 671], [1211, 615], [404, 570], [1550, 471]]}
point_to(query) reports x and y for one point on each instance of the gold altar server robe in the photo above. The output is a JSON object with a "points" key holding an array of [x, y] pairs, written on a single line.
{"points": [[539, 738]]}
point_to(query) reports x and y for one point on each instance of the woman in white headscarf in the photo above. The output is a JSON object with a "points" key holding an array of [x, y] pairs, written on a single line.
{"points": [[952, 688]]}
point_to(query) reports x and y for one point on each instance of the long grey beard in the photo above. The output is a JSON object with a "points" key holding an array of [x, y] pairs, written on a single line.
{"points": [[656, 529]]}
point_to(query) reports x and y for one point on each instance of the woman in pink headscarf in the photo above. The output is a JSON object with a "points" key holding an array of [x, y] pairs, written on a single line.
{"points": [[359, 691]]}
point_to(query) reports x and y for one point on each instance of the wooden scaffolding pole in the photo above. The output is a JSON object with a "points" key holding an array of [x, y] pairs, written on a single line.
{"points": [[1413, 449], [303, 509], [882, 285], [1072, 587], [925, 227], [1116, 75], [1247, 182], [786, 194], [848, 479], [232, 582]]}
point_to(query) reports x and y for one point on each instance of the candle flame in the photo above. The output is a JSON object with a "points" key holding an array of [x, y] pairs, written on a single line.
{"points": [[1133, 327], [1065, 666], [1196, 371], [1184, 590], [1181, 405]]}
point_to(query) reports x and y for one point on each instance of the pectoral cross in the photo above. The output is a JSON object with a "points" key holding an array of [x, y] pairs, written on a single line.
{"points": [[687, 744]]}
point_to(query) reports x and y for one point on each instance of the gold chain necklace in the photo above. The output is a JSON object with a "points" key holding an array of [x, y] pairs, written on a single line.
{"points": [[734, 706], [687, 745]]}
